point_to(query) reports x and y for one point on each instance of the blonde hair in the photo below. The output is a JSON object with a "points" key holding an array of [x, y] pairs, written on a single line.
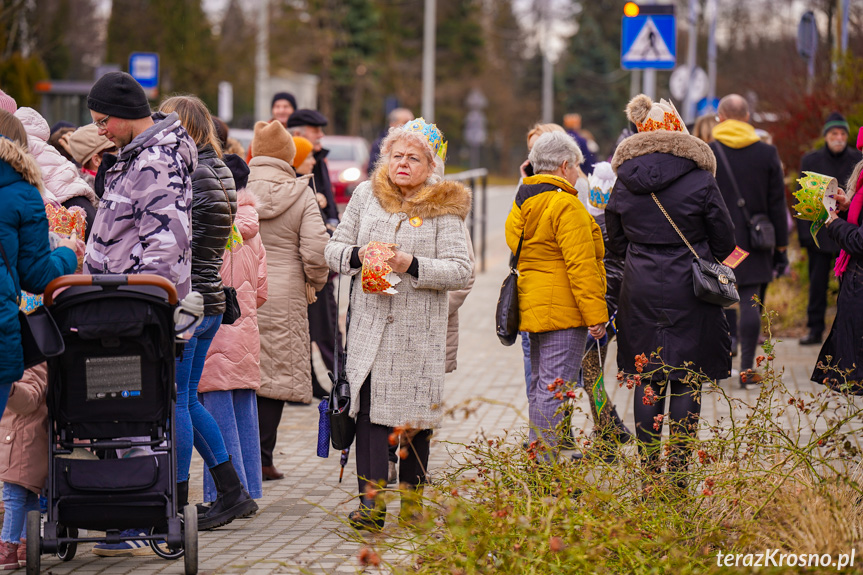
{"points": [[12, 128], [540, 129], [196, 118], [703, 129], [397, 134]]}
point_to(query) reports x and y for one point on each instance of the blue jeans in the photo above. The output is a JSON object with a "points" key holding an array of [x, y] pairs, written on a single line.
{"points": [[18, 502], [525, 348], [195, 425], [236, 413]]}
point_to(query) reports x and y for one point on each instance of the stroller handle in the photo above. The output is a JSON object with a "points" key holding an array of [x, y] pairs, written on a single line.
{"points": [[110, 280]]}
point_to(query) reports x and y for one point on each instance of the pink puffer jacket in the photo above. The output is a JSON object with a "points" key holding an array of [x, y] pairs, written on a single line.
{"points": [[61, 177], [234, 359]]}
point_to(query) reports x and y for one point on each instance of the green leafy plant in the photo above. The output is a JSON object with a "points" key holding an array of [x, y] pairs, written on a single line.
{"points": [[782, 471]]}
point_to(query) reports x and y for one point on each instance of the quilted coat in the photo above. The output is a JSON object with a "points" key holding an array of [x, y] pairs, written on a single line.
{"points": [[294, 235], [561, 273], [401, 339], [24, 233], [658, 308], [24, 431], [234, 358], [214, 204]]}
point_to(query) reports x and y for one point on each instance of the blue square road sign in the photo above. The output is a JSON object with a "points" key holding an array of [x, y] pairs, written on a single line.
{"points": [[144, 67], [649, 41]]}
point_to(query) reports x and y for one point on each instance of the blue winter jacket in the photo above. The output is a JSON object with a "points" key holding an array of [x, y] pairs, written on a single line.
{"points": [[24, 234]]}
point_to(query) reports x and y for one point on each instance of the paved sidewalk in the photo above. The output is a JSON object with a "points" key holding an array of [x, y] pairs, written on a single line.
{"points": [[299, 528]]}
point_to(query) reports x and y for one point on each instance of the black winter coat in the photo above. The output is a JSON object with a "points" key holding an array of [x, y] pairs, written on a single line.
{"points": [[613, 269], [214, 206], [758, 172], [840, 166], [321, 175], [844, 345], [658, 307]]}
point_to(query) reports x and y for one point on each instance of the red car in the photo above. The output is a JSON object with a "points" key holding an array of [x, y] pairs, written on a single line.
{"points": [[348, 162]]}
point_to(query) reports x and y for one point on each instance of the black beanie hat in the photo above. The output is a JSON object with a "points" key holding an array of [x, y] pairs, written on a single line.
{"points": [[117, 94], [239, 170], [284, 96], [835, 120]]}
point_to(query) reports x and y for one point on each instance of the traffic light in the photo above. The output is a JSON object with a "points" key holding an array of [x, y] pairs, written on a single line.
{"points": [[633, 9]]}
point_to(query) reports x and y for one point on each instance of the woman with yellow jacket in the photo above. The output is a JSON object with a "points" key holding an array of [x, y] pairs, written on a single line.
{"points": [[561, 287]]}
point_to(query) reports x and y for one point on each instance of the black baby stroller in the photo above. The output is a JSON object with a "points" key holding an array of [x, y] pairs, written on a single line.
{"points": [[113, 388]]}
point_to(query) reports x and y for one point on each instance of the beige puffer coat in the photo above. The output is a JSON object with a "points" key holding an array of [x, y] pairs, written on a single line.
{"points": [[456, 299], [294, 236], [24, 431]]}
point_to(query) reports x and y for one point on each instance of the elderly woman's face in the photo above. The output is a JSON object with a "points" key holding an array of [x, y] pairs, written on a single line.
{"points": [[408, 167]]}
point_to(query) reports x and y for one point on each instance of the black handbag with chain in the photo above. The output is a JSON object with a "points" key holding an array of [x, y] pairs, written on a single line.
{"points": [[712, 282], [40, 336], [506, 316]]}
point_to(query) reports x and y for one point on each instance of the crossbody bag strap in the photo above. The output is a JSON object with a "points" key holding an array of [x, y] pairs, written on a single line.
{"points": [[339, 367], [513, 261], [11, 275], [741, 203], [673, 225]]}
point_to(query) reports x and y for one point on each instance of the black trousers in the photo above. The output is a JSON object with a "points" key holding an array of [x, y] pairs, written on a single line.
{"points": [[750, 323], [683, 412], [323, 318], [373, 445], [820, 264], [269, 416]]}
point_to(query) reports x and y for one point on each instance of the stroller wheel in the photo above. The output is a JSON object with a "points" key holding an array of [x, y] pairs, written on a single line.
{"points": [[190, 539], [34, 545], [66, 551], [162, 549]]}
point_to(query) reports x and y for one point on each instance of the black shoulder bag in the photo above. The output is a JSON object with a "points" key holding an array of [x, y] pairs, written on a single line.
{"points": [[343, 427], [40, 336], [762, 234], [506, 316], [712, 282]]}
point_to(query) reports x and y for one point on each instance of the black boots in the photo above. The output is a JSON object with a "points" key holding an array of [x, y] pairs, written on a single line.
{"points": [[370, 516], [182, 495], [616, 429], [232, 501]]}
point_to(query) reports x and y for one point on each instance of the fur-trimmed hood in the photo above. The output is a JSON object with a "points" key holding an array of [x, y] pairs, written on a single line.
{"points": [[22, 162], [661, 141], [443, 198]]}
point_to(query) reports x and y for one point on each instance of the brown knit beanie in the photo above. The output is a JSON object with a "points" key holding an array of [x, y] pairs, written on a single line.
{"points": [[272, 139]]}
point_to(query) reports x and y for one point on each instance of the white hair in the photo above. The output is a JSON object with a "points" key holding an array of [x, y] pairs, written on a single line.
{"points": [[552, 149]]}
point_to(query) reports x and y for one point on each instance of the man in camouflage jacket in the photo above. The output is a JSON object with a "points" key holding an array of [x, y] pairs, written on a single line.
{"points": [[143, 223]]}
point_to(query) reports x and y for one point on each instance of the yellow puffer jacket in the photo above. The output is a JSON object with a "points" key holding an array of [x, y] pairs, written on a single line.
{"points": [[561, 280]]}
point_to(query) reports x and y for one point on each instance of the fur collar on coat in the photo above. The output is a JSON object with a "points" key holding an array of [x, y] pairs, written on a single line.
{"points": [[674, 143], [22, 162], [441, 199]]}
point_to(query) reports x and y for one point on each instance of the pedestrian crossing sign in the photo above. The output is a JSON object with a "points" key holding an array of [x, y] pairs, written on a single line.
{"points": [[649, 41]]}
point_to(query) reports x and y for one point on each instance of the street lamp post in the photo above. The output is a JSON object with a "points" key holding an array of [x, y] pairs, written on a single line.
{"points": [[429, 60]]}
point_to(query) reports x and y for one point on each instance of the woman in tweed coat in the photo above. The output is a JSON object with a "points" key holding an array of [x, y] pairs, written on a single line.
{"points": [[396, 344]]}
